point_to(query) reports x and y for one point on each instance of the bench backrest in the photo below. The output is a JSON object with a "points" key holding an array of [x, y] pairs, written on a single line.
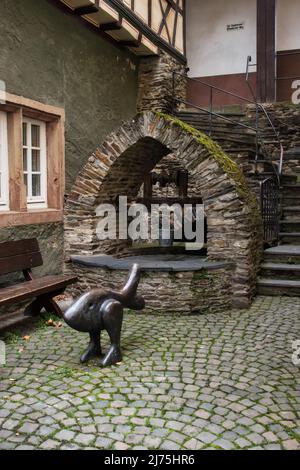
{"points": [[19, 255]]}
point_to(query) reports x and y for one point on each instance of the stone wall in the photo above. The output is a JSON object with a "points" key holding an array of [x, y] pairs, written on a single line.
{"points": [[286, 119], [195, 292], [50, 237], [118, 167], [155, 83]]}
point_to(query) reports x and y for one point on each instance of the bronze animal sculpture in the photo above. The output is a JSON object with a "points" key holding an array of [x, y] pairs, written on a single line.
{"points": [[100, 310]]}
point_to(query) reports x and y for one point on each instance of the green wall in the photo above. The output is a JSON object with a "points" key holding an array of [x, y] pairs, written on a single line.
{"points": [[51, 56]]}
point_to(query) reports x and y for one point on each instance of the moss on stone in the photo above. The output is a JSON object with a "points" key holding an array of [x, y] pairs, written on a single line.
{"points": [[223, 160]]}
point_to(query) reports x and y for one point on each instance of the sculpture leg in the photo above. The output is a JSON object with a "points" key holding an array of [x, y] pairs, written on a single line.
{"points": [[112, 321], [94, 348]]}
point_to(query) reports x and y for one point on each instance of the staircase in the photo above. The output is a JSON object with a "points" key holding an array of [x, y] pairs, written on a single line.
{"points": [[280, 270], [280, 273]]}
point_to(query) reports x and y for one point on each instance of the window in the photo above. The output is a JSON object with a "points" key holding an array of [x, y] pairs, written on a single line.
{"points": [[3, 162], [32, 163], [35, 162]]}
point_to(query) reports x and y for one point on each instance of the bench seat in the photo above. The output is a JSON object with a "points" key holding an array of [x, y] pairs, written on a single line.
{"points": [[35, 288], [23, 256]]}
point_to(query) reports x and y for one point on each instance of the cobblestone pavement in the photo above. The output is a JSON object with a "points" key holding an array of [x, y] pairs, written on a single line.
{"points": [[223, 381]]}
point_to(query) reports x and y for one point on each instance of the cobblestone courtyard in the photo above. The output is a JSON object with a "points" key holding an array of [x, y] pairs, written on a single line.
{"points": [[223, 381]]}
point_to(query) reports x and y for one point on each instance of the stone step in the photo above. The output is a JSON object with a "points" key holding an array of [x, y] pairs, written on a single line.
{"points": [[276, 287], [287, 202], [261, 176], [292, 209], [292, 154], [290, 190], [226, 127], [263, 161], [289, 234], [289, 185], [227, 137], [290, 200], [283, 253], [285, 179], [286, 267], [284, 274], [290, 225], [241, 150], [290, 237], [291, 213], [206, 116], [287, 157], [288, 179]]}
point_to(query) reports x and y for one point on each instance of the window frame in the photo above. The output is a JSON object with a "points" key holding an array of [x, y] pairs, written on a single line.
{"points": [[36, 202], [19, 212], [4, 174]]}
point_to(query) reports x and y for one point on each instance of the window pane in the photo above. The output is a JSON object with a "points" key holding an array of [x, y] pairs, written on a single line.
{"points": [[25, 134], [36, 160], [25, 182], [36, 185], [24, 159], [35, 136]]}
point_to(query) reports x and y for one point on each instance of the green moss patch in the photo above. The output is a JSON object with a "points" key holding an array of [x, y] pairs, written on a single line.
{"points": [[223, 160]]}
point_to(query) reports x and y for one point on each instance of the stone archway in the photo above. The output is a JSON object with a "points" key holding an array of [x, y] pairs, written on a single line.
{"points": [[118, 166]]}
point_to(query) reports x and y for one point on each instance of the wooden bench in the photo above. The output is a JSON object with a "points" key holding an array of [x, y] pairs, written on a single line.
{"points": [[22, 256]]}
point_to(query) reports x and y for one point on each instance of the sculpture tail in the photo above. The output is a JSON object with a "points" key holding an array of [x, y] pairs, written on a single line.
{"points": [[130, 299]]}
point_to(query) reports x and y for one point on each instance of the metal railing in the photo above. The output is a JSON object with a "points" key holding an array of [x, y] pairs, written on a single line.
{"points": [[270, 187], [259, 109], [270, 209]]}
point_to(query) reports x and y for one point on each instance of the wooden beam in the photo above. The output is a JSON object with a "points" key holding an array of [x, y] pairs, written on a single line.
{"points": [[150, 13], [175, 25], [86, 10], [114, 26], [130, 43], [163, 24], [266, 22], [184, 19], [17, 194], [132, 18], [55, 164], [175, 6]]}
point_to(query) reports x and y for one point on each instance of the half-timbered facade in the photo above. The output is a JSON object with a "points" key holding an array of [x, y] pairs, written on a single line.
{"points": [[143, 26]]}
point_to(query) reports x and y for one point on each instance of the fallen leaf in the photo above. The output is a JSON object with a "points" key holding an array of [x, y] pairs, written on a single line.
{"points": [[26, 338]]}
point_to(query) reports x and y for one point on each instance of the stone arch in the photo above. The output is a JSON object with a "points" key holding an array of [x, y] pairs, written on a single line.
{"points": [[117, 168]]}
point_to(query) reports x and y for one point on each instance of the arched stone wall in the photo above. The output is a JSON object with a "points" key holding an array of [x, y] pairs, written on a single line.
{"points": [[118, 166]]}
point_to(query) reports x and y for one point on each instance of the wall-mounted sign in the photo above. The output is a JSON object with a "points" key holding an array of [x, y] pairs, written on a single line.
{"points": [[235, 26]]}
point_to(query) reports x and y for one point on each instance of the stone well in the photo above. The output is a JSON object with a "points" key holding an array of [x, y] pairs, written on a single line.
{"points": [[234, 238], [172, 284]]}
